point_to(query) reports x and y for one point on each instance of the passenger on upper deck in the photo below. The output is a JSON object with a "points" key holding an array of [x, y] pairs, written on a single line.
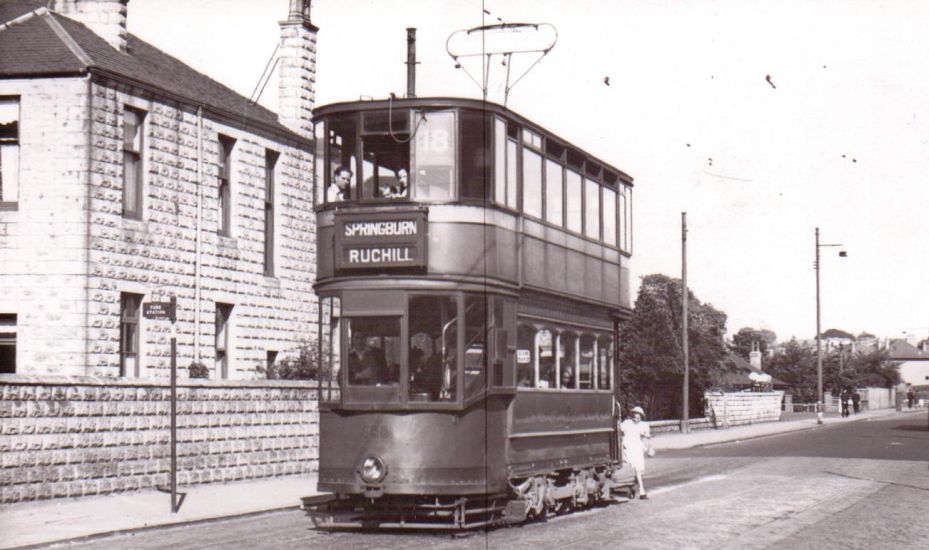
{"points": [[342, 185], [403, 178]]}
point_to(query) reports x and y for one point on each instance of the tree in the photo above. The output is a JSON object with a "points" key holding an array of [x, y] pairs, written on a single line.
{"points": [[795, 364], [303, 366], [650, 353], [743, 340]]}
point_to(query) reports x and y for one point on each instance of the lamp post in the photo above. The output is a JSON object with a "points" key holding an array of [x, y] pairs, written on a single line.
{"points": [[819, 352]]}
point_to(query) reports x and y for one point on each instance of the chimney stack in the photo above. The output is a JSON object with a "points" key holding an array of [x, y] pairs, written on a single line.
{"points": [[107, 18], [411, 62], [297, 70], [754, 358]]}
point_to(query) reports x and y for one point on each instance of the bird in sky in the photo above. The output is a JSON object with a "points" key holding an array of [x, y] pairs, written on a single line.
{"points": [[768, 78], [606, 80]]}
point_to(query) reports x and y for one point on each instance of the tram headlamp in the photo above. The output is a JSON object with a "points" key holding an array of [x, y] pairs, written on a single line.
{"points": [[372, 469]]}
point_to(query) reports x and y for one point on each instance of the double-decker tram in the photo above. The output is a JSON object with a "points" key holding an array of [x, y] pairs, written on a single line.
{"points": [[472, 268]]}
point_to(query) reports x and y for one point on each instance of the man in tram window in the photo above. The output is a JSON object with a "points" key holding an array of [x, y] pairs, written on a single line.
{"points": [[366, 362], [341, 188]]}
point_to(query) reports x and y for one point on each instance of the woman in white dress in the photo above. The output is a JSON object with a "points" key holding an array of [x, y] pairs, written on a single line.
{"points": [[636, 435]]}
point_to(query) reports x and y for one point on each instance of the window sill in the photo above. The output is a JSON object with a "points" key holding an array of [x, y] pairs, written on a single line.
{"points": [[135, 224], [9, 206]]}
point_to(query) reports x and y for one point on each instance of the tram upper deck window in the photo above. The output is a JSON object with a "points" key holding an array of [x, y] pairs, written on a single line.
{"points": [[573, 201], [476, 158], [554, 192], [341, 144], [592, 196], [506, 149], [434, 156], [609, 216], [433, 350], [382, 146], [625, 217], [532, 183], [374, 351]]}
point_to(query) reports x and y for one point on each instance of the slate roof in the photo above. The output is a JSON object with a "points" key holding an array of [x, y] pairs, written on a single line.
{"points": [[903, 350], [48, 44]]}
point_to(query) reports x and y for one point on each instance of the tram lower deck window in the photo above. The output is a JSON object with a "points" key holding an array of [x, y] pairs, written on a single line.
{"points": [[433, 351]]}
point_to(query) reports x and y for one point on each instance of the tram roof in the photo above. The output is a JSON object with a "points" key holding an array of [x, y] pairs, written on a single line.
{"points": [[344, 107]]}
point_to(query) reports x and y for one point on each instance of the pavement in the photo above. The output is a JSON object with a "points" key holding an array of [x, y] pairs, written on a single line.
{"points": [[39, 523]]}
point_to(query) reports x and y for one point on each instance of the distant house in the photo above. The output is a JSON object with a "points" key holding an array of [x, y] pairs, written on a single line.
{"points": [[867, 342], [838, 339], [912, 363], [741, 375]]}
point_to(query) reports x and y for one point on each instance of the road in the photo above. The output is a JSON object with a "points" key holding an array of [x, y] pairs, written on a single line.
{"points": [[861, 484]]}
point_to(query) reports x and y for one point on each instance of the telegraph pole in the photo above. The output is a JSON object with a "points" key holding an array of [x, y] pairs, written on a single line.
{"points": [[819, 351], [685, 418]]}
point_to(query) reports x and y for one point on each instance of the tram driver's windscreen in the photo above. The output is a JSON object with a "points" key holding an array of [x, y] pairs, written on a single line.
{"points": [[374, 351]]}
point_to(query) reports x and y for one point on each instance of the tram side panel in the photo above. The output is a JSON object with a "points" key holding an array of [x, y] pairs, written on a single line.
{"points": [[553, 430]]}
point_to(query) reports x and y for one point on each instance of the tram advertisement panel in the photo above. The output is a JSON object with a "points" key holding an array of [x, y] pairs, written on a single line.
{"points": [[378, 240]]}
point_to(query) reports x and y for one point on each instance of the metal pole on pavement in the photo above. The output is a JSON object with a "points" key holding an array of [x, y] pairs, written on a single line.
{"points": [[174, 506], [685, 418]]}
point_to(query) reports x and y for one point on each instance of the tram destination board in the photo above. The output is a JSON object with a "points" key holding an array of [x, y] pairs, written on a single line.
{"points": [[378, 240]]}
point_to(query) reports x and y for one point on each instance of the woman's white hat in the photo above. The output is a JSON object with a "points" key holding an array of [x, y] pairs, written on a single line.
{"points": [[637, 410]]}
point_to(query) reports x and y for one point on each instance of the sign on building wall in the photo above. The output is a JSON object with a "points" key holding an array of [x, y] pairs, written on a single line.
{"points": [[378, 240], [158, 310]]}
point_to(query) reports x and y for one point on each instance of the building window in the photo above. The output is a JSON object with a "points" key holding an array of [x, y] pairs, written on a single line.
{"points": [[224, 213], [223, 317], [129, 306], [270, 164], [132, 163], [9, 150], [7, 343], [270, 360]]}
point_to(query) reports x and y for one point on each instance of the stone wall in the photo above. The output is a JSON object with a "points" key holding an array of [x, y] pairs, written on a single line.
{"points": [[75, 436], [735, 409]]}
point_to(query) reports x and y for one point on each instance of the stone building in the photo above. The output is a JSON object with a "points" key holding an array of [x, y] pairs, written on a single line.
{"points": [[129, 177]]}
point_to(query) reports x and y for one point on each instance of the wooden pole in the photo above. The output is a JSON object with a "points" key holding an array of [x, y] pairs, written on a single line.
{"points": [[685, 420]]}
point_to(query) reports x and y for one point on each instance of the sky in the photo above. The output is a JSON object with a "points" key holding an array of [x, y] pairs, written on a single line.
{"points": [[762, 120]]}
